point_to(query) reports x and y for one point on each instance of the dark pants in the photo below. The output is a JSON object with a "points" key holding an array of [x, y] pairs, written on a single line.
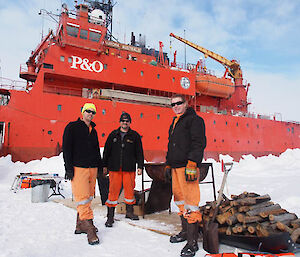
{"points": [[103, 184]]}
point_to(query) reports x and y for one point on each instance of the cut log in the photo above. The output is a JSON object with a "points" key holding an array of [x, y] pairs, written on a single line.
{"points": [[221, 218], [295, 223], [222, 230], [232, 220], [251, 229], [272, 212], [282, 217], [263, 209], [250, 219], [250, 200], [252, 207], [228, 231], [295, 235], [284, 227], [264, 231]]}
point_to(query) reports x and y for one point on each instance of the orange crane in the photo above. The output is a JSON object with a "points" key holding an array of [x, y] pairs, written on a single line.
{"points": [[232, 67]]}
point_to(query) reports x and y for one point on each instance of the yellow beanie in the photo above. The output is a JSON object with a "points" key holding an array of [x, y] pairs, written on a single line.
{"points": [[88, 106]]}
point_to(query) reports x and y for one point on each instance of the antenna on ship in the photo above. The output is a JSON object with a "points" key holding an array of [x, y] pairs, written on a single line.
{"points": [[106, 6]]}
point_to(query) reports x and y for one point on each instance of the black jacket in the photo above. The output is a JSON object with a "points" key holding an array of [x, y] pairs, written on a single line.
{"points": [[123, 154], [80, 147], [187, 140]]}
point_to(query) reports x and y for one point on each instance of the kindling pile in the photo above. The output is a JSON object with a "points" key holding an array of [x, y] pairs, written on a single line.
{"points": [[252, 214]]}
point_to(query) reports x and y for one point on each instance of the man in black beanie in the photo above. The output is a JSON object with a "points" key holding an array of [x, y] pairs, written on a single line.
{"points": [[123, 153]]}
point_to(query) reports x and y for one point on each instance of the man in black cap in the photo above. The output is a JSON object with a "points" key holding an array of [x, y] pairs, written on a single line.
{"points": [[123, 152]]}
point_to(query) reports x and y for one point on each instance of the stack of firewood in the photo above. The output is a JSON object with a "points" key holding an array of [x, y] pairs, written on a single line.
{"points": [[252, 214]]}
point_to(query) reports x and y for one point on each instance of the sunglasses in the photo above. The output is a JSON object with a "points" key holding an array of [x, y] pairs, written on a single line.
{"points": [[124, 120], [90, 111], [177, 103]]}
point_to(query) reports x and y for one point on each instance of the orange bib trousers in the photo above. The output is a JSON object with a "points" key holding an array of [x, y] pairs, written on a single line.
{"points": [[186, 195], [83, 189], [116, 180]]}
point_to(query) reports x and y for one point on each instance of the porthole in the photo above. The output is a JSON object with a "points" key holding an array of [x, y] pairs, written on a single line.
{"points": [[158, 116], [237, 124], [173, 79], [248, 142], [158, 76], [59, 107], [237, 141], [70, 60], [103, 135], [103, 111], [142, 73], [142, 115], [158, 137], [222, 140], [215, 140], [214, 122], [49, 132], [62, 58], [124, 70], [226, 123], [258, 142]]}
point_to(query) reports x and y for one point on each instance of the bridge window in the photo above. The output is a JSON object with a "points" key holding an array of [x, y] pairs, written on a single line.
{"points": [[72, 30], [4, 98], [59, 107], [83, 34], [2, 132], [95, 35]]}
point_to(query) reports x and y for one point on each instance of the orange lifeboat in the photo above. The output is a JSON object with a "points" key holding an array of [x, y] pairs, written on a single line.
{"points": [[213, 86]]}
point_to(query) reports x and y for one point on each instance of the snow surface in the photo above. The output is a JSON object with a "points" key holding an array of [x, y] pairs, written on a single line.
{"points": [[47, 229]]}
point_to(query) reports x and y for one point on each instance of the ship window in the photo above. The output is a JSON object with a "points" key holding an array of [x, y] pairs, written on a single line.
{"points": [[4, 98], [237, 124], [158, 76], [103, 135], [103, 111], [293, 130], [83, 34], [62, 58], [226, 123], [215, 140], [222, 140], [59, 107], [72, 31], [257, 126], [142, 115], [288, 129], [48, 66], [70, 60], [158, 116], [248, 142], [214, 122], [173, 79], [237, 141], [124, 70], [49, 132], [95, 36], [258, 142], [142, 73], [158, 137], [105, 66], [2, 132]]}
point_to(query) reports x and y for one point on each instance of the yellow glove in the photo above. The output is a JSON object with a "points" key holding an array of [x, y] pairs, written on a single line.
{"points": [[191, 171]]}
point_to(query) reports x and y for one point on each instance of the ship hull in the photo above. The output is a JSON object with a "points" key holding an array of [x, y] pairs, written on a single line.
{"points": [[34, 124]]}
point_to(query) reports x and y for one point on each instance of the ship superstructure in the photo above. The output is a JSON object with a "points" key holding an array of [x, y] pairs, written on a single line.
{"points": [[81, 61]]}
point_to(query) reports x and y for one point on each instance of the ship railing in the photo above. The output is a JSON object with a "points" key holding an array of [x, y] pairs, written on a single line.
{"points": [[11, 84]]}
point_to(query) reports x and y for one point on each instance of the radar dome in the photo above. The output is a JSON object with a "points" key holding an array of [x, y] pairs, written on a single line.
{"points": [[97, 16]]}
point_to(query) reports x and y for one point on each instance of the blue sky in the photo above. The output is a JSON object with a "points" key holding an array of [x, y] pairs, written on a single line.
{"points": [[262, 35]]}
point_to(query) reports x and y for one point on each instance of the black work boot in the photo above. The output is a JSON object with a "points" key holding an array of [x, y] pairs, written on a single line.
{"points": [[129, 213], [78, 229], [110, 217], [182, 235], [191, 246]]}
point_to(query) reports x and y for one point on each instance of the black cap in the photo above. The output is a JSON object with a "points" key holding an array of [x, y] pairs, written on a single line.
{"points": [[125, 116]]}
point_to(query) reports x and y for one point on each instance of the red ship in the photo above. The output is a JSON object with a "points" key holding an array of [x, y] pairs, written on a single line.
{"points": [[82, 62]]}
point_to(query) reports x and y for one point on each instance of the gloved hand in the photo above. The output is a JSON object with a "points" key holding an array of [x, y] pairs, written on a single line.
{"points": [[105, 171], [191, 171], [168, 173], [69, 174]]}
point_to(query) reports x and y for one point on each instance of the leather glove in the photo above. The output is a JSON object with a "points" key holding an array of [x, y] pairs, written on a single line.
{"points": [[191, 171], [168, 173], [105, 171], [69, 174]]}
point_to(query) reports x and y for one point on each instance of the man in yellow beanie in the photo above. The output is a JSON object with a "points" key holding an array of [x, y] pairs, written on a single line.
{"points": [[82, 160]]}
